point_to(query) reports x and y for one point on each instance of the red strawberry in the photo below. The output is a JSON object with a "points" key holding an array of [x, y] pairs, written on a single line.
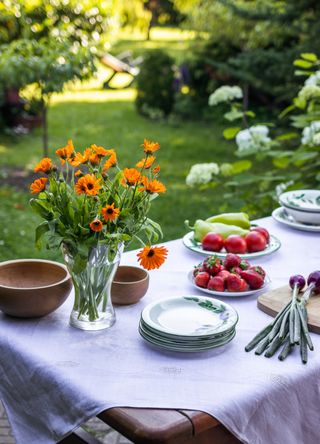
{"points": [[258, 269], [254, 279], [202, 279], [236, 270], [244, 264], [223, 274], [216, 283], [231, 260], [234, 282], [212, 265], [244, 285]]}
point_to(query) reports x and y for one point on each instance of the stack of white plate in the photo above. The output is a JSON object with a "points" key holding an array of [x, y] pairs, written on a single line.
{"points": [[188, 324], [300, 209]]}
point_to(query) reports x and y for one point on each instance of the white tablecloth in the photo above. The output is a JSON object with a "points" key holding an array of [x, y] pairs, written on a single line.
{"points": [[53, 377]]}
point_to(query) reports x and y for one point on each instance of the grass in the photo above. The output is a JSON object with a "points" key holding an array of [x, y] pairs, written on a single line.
{"points": [[90, 115]]}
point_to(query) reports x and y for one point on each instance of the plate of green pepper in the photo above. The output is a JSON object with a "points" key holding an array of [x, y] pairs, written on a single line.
{"points": [[230, 229]]}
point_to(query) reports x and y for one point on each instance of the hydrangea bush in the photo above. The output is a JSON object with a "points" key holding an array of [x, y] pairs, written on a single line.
{"points": [[272, 159]]}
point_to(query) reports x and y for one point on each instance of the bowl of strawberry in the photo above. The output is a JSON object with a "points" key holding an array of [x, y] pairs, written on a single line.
{"points": [[232, 276]]}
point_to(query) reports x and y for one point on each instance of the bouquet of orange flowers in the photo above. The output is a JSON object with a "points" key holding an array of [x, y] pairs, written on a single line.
{"points": [[91, 200], [92, 208]]}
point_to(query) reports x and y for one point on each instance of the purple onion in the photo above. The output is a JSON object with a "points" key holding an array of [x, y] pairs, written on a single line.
{"points": [[314, 282], [313, 277], [297, 281]]}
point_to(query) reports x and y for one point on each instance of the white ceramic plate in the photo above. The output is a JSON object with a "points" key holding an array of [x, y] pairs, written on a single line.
{"points": [[186, 349], [190, 316], [187, 341], [229, 294], [280, 215], [184, 339], [302, 200], [189, 242]]}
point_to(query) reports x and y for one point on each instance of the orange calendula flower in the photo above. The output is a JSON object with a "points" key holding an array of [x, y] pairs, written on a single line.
{"points": [[99, 150], [150, 147], [78, 159], [44, 166], [88, 184], [66, 152], [38, 185], [78, 173], [96, 225], [131, 176], [146, 162], [110, 213], [112, 161], [152, 257], [156, 169], [154, 186]]}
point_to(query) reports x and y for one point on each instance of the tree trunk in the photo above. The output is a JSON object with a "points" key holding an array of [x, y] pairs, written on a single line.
{"points": [[245, 103], [45, 129]]}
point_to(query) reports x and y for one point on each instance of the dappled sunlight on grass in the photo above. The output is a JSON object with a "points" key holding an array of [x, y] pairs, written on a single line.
{"points": [[93, 96]]}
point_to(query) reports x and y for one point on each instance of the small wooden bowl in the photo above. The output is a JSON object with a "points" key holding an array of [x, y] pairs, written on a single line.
{"points": [[33, 287], [129, 285]]}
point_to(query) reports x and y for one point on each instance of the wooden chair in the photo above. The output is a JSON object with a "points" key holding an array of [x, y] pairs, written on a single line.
{"points": [[123, 63]]}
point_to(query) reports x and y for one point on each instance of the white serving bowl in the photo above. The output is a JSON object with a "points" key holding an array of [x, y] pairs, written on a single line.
{"points": [[302, 205]]}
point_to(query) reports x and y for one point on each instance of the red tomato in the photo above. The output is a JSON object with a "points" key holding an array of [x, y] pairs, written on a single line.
{"points": [[263, 231], [212, 242], [235, 244], [255, 241]]}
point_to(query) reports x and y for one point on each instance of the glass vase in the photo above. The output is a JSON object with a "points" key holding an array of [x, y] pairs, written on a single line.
{"points": [[92, 279]]}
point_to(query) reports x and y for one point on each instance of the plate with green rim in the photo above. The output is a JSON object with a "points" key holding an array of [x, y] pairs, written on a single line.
{"points": [[177, 338], [187, 349], [190, 316], [189, 242], [281, 216]]}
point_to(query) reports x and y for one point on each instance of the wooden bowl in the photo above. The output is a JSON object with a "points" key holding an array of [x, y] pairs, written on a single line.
{"points": [[33, 287], [129, 285]]}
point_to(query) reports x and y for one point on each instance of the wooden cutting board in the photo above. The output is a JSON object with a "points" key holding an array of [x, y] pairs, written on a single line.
{"points": [[273, 301]]}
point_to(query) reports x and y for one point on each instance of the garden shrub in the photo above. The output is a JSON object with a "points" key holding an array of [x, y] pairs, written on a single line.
{"points": [[270, 160], [155, 92]]}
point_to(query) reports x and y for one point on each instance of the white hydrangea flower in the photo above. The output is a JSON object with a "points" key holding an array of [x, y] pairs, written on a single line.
{"points": [[309, 92], [282, 187], [313, 80], [311, 134], [225, 94], [202, 173], [253, 139]]}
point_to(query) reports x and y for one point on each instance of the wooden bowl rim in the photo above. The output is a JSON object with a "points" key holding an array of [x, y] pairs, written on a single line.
{"points": [[57, 264], [146, 277]]}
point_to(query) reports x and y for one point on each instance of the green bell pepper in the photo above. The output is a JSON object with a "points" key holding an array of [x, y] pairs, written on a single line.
{"points": [[238, 219], [203, 227]]}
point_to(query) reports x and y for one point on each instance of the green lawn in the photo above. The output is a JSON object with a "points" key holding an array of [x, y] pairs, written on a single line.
{"points": [[90, 115]]}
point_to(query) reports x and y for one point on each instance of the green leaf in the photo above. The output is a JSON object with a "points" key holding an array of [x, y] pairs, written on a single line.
{"points": [[310, 56], [302, 63], [40, 231], [234, 114], [299, 103], [287, 136], [287, 110], [42, 208], [281, 162], [318, 177], [230, 133], [242, 165], [250, 114]]}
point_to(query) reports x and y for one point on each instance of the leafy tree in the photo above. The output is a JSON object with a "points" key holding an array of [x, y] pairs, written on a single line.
{"points": [[80, 22], [48, 65], [265, 37]]}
